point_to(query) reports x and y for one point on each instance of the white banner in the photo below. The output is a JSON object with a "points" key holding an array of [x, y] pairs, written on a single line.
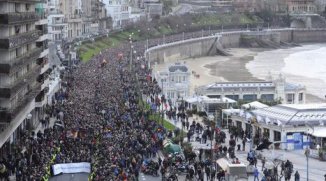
{"points": [[71, 168]]}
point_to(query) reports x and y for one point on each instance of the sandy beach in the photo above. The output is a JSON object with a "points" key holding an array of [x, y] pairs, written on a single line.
{"points": [[217, 68], [247, 65]]}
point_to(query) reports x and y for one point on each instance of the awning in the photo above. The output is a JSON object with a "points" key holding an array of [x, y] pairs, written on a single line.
{"points": [[319, 132], [254, 105]]}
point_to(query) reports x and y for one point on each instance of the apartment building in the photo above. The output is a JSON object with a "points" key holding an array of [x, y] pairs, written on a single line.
{"points": [[72, 11], [43, 59], [119, 11], [57, 25], [20, 67]]}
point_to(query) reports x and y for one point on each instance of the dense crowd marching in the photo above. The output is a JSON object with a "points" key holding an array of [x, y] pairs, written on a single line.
{"points": [[103, 121]]}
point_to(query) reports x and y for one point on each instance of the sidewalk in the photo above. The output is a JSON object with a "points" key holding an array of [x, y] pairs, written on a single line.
{"points": [[317, 168]]}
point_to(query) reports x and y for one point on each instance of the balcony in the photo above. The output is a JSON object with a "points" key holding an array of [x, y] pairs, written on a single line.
{"points": [[45, 67], [19, 62], [17, 18], [43, 38], [40, 99], [44, 53], [20, 39], [29, 78], [45, 84], [20, 1], [7, 115]]}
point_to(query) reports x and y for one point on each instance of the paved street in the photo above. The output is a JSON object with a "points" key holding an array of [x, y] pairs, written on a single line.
{"points": [[53, 57], [317, 168]]}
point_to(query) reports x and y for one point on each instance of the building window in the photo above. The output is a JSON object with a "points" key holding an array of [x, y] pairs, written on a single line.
{"points": [[28, 27], [16, 75], [289, 98], [17, 7], [28, 7], [17, 29], [301, 96]]}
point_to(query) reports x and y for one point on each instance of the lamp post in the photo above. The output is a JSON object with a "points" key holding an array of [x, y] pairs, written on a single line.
{"points": [[29, 117], [103, 114], [131, 51], [307, 153], [162, 80]]}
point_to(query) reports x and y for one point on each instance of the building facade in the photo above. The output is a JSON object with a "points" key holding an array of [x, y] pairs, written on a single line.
{"points": [[72, 11], [21, 46], [175, 82], [301, 6], [275, 90], [153, 9], [291, 125], [119, 11], [57, 24]]}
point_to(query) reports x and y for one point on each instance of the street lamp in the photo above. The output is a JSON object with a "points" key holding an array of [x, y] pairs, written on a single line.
{"points": [[162, 80], [307, 153], [29, 117], [103, 113]]}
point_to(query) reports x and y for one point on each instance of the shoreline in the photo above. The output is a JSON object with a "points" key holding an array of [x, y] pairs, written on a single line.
{"points": [[237, 68]]}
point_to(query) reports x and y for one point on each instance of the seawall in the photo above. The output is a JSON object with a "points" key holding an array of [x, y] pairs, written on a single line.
{"points": [[198, 47]]}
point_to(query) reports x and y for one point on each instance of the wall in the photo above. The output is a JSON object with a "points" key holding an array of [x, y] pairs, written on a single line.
{"points": [[198, 47]]}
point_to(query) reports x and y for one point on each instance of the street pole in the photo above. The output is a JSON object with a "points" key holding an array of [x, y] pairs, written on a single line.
{"points": [[183, 36], [163, 39], [307, 153], [147, 44], [162, 103]]}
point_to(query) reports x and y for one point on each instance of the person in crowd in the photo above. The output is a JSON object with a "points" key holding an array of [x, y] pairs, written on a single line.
{"points": [[297, 176], [256, 174], [263, 161]]}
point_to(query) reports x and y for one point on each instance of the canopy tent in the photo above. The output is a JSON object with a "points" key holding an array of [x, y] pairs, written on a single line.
{"points": [[223, 163], [231, 111], [172, 149], [254, 105]]}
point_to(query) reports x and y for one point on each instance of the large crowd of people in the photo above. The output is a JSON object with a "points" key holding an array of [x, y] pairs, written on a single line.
{"points": [[101, 121]]}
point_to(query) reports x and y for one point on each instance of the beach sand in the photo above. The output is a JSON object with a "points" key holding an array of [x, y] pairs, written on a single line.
{"points": [[238, 67]]}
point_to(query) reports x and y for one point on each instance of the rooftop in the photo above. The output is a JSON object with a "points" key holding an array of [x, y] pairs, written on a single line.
{"points": [[293, 114], [291, 86], [178, 66], [241, 84]]}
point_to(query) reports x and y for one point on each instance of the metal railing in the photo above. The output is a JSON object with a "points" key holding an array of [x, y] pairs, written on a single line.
{"points": [[20, 39], [20, 61], [15, 18]]}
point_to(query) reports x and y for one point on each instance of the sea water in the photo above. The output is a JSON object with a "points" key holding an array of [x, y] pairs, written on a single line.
{"points": [[305, 65]]}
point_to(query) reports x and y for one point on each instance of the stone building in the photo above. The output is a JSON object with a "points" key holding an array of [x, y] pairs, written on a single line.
{"points": [[175, 82], [72, 11], [301, 6]]}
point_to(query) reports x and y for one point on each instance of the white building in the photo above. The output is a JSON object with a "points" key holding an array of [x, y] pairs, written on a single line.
{"points": [[119, 11], [277, 89], [57, 25], [296, 126], [175, 81]]}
